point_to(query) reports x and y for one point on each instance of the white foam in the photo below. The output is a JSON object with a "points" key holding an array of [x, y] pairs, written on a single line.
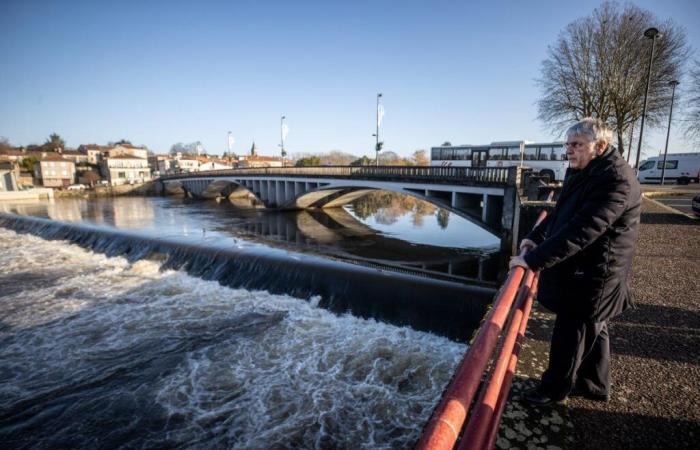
{"points": [[246, 369]]}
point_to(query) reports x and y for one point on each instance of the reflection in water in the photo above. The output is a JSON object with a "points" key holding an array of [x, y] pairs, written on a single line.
{"points": [[389, 230], [119, 212], [387, 207]]}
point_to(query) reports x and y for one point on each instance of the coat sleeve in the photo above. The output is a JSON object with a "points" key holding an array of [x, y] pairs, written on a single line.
{"points": [[537, 233], [603, 205]]}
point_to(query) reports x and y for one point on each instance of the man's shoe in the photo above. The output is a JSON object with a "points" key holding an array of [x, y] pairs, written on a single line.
{"points": [[579, 392], [538, 398]]}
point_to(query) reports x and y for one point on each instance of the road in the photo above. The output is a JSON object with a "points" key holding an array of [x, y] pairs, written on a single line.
{"points": [[681, 203], [673, 195]]}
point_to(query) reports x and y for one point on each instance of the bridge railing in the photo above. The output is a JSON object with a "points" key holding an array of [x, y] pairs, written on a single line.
{"points": [[481, 175], [447, 424]]}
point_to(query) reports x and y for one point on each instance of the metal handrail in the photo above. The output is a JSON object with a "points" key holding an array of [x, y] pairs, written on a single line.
{"points": [[492, 175], [443, 429]]}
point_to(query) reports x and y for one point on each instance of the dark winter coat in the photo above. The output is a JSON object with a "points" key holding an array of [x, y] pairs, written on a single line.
{"points": [[585, 246]]}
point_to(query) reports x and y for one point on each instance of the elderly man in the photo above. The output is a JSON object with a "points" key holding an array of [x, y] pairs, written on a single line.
{"points": [[584, 251]]}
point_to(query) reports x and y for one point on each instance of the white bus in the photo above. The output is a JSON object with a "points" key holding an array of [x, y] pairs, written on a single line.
{"points": [[681, 168], [547, 159]]}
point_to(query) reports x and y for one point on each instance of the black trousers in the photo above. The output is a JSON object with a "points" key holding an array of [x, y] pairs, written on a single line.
{"points": [[579, 355]]}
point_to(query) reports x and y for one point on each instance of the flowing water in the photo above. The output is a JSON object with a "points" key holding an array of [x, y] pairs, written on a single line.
{"points": [[151, 339]]}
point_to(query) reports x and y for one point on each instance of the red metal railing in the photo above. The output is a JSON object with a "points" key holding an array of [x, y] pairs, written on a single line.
{"points": [[443, 430]]}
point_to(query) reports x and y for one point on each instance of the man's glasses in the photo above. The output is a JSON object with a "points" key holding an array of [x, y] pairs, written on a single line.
{"points": [[575, 144]]}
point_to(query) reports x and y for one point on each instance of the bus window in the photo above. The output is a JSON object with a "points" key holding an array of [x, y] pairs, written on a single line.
{"points": [[530, 153], [514, 153], [463, 154], [545, 154], [435, 154], [558, 153], [496, 154], [669, 164]]}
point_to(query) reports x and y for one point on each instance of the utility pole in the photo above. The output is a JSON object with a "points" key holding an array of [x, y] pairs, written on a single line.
{"points": [[650, 33], [673, 84], [378, 145], [282, 136]]}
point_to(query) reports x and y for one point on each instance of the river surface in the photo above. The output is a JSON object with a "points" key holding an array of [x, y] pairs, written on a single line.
{"points": [[104, 349]]}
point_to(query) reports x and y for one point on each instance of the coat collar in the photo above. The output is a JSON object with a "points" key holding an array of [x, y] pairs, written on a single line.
{"points": [[574, 177]]}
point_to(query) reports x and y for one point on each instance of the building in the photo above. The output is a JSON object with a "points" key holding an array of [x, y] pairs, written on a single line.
{"points": [[76, 156], [186, 163], [52, 170], [213, 165], [126, 150], [255, 160], [123, 169], [159, 164], [9, 174], [93, 152]]}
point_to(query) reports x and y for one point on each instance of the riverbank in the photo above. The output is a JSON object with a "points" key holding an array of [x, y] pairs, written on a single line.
{"points": [[108, 191], [655, 402]]}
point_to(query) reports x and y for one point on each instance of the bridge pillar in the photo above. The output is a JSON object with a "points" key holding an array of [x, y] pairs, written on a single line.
{"points": [[492, 210], [264, 190], [279, 192]]}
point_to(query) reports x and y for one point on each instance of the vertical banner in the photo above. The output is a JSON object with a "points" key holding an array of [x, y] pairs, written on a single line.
{"points": [[380, 114]]}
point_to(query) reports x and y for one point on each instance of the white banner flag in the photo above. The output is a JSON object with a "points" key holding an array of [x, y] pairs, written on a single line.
{"points": [[285, 130], [380, 114], [231, 141]]}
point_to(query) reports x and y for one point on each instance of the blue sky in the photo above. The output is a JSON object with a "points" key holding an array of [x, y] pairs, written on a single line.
{"points": [[158, 73]]}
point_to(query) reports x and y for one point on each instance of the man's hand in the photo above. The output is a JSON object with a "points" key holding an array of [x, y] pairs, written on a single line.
{"points": [[528, 245], [518, 261]]}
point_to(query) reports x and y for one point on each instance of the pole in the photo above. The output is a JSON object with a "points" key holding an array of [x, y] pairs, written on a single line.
{"points": [[282, 138], [376, 144], [650, 33], [673, 84], [629, 146]]}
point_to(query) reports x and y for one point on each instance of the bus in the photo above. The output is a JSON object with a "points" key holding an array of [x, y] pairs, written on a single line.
{"points": [[547, 159]]}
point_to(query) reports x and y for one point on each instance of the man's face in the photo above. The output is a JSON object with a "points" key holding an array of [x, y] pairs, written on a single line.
{"points": [[580, 151]]}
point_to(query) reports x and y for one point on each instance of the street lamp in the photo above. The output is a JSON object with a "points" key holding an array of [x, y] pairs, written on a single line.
{"points": [[673, 84], [378, 145], [283, 134], [650, 33]]}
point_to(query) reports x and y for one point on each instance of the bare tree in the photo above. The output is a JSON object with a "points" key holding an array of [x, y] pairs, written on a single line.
{"points": [[598, 67], [420, 158], [692, 118]]}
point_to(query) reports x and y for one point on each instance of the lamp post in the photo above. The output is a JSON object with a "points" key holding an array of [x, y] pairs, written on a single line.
{"points": [[673, 84], [282, 136], [377, 145], [650, 33]]}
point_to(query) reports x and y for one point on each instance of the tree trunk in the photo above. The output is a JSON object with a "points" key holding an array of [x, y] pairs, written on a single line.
{"points": [[620, 141]]}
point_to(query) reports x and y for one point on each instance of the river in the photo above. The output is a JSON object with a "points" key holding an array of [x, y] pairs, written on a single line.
{"points": [[123, 325]]}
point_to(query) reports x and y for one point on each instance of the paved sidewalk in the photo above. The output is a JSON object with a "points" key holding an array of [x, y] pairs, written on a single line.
{"points": [[655, 402]]}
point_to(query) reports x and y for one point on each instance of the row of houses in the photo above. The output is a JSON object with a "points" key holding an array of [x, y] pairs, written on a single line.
{"points": [[117, 164]]}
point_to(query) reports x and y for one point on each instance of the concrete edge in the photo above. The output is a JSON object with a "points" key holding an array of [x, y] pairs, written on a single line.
{"points": [[670, 209]]}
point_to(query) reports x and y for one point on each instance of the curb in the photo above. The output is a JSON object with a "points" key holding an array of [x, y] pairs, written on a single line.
{"points": [[673, 210]]}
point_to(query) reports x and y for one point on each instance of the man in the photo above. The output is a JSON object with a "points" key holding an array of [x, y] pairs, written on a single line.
{"points": [[584, 250]]}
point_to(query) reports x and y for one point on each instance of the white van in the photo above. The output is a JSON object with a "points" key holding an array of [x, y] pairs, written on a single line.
{"points": [[681, 168]]}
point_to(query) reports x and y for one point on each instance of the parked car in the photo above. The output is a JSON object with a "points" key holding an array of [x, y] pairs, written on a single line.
{"points": [[76, 187], [696, 205]]}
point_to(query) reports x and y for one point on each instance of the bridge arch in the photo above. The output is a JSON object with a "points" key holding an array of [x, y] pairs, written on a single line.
{"points": [[486, 196]]}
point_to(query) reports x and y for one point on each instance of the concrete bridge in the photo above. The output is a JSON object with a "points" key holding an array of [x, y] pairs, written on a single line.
{"points": [[485, 195]]}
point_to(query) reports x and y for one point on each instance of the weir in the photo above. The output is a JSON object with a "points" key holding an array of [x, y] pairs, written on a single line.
{"points": [[447, 308]]}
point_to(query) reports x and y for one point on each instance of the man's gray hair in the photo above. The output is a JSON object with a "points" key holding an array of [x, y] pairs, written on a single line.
{"points": [[594, 129]]}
